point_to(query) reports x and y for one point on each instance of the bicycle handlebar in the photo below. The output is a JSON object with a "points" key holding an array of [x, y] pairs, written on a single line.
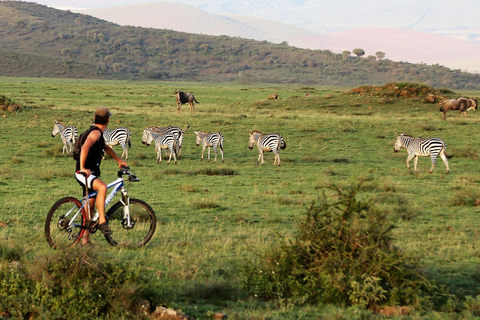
{"points": [[126, 171]]}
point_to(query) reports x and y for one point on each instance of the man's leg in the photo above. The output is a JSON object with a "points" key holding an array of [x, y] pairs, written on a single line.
{"points": [[101, 188]]}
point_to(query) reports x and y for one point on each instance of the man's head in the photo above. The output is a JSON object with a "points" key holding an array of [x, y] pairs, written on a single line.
{"points": [[102, 115]]}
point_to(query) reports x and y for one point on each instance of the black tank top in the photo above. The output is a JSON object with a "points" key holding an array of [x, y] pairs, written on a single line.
{"points": [[95, 154]]}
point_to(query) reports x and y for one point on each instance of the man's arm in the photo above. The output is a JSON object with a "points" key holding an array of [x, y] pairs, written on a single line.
{"points": [[109, 150]]}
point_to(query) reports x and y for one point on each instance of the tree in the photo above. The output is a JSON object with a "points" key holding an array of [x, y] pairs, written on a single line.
{"points": [[380, 55], [346, 54], [358, 52]]}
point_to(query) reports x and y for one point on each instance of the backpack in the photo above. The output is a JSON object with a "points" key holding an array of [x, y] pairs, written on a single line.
{"points": [[77, 147]]}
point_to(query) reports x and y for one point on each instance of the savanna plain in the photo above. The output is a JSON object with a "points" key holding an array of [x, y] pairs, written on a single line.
{"points": [[214, 218]]}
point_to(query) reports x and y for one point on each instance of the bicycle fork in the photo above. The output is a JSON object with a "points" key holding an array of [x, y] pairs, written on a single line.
{"points": [[127, 222]]}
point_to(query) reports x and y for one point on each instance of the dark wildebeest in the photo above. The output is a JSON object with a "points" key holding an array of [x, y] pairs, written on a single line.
{"points": [[461, 104], [185, 97]]}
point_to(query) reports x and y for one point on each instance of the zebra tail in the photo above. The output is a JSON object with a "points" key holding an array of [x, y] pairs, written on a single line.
{"points": [[129, 144], [283, 144], [188, 126]]}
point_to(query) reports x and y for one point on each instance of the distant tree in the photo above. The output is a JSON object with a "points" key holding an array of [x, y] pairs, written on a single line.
{"points": [[371, 58], [380, 55], [346, 54], [358, 52]]}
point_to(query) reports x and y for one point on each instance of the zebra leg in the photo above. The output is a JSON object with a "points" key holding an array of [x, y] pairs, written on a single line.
{"points": [[415, 162], [444, 158], [410, 157], [260, 156], [208, 151], [434, 162], [215, 150], [221, 152], [203, 152], [159, 155]]}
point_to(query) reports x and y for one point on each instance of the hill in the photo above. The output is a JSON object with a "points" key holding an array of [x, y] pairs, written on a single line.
{"points": [[399, 43], [40, 41]]}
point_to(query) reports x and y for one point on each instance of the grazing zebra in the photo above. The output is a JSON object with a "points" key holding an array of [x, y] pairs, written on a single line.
{"points": [[418, 147], [210, 140], [162, 141], [121, 136], [68, 134], [272, 142], [176, 131]]}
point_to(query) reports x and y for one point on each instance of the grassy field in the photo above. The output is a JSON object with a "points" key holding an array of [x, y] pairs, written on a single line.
{"points": [[214, 217]]}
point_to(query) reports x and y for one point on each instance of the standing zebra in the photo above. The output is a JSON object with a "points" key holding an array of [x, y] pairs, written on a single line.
{"points": [[121, 136], [210, 140], [68, 134], [176, 131], [418, 147], [162, 141], [272, 142]]}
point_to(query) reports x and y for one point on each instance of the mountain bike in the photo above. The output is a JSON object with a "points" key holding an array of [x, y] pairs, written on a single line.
{"points": [[132, 221]]}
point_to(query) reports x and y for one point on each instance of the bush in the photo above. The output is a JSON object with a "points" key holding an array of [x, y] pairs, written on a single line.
{"points": [[343, 255], [71, 284]]}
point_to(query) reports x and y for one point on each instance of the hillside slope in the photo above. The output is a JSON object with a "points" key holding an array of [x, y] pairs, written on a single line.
{"points": [[61, 43], [399, 44]]}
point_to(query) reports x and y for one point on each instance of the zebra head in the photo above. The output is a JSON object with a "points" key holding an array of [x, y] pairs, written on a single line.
{"points": [[57, 128], [252, 141], [147, 137], [200, 136], [398, 143]]}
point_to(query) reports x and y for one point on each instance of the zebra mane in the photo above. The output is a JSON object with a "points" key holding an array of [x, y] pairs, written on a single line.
{"points": [[256, 131], [58, 122], [405, 135]]}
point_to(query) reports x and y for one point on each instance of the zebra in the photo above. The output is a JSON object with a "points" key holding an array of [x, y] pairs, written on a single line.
{"points": [[68, 135], [121, 136], [267, 142], [176, 131], [162, 141], [418, 147], [210, 140]]}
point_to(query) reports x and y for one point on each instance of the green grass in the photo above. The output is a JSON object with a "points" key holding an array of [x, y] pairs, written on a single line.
{"points": [[212, 217]]}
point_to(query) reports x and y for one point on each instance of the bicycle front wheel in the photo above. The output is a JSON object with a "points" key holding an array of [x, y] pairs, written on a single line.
{"points": [[141, 228], [63, 226]]}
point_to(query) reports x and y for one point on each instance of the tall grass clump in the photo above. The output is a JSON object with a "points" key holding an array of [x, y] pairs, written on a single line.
{"points": [[343, 254], [71, 284]]}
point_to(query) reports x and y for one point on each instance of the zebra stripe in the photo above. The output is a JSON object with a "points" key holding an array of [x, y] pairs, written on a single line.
{"points": [[68, 135], [176, 131], [119, 136], [162, 141], [211, 140], [418, 147], [272, 142]]}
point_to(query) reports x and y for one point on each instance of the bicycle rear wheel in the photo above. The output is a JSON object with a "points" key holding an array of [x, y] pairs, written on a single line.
{"points": [[143, 223], [60, 230]]}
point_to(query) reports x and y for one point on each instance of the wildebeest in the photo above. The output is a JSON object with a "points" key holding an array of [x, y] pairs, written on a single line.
{"points": [[185, 97], [273, 96], [460, 104]]}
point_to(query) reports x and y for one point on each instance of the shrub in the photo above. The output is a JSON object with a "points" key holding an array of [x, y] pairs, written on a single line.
{"points": [[69, 284], [343, 255]]}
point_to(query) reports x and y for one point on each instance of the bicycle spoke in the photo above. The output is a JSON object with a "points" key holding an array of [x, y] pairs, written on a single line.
{"points": [[138, 231], [63, 224]]}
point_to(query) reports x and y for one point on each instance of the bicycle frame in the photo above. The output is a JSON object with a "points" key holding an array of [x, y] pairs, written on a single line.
{"points": [[117, 185]]}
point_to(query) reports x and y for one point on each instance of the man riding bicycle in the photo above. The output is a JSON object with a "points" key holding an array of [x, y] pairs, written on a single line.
{"points": [[88, 168]]}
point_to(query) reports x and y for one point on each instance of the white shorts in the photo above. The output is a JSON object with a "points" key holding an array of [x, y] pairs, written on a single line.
{"points": [[81, 180]]}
